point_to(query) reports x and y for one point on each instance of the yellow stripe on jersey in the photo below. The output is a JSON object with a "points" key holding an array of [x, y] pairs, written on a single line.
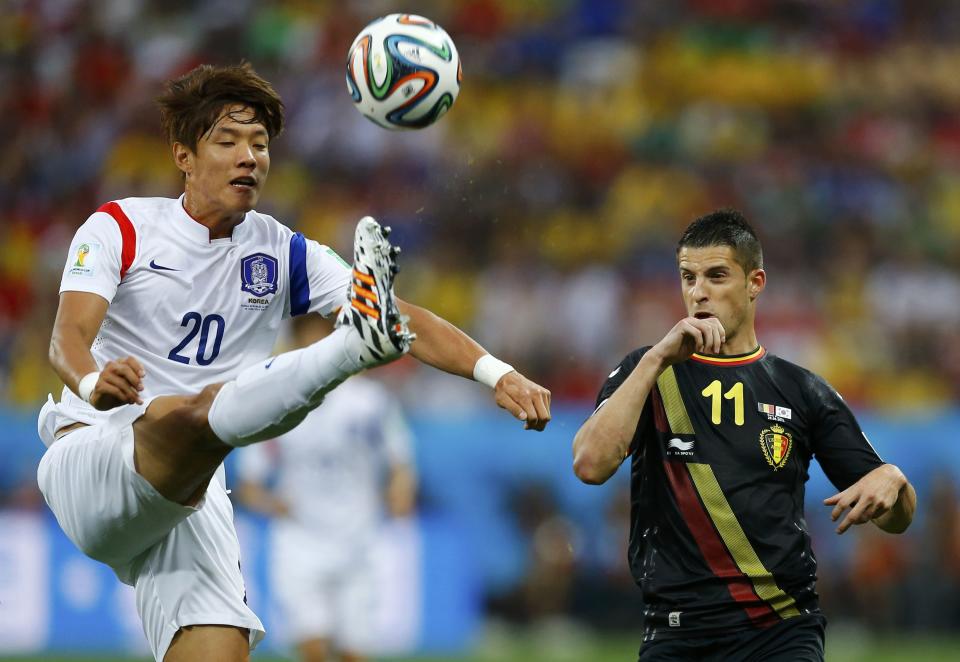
{"points": [[736, 541], [673, 404]]}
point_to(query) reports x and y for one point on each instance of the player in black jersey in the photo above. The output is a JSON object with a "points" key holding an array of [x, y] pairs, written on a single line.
{"points": [[720, 434]]}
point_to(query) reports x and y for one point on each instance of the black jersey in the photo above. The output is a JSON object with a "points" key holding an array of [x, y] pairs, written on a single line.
{"points": [[718, 540]]}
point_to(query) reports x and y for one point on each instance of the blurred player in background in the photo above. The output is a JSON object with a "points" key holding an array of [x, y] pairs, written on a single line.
{"points": [[333, 475], [721, 434], [168, 295]]}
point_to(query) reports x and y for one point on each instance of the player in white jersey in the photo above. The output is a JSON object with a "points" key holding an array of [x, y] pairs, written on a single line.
{"points": [[326, 483], [166, 296]]}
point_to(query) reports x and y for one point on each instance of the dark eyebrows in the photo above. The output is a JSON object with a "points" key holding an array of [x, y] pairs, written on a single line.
{"points": [[233, 132], [708, 270]]}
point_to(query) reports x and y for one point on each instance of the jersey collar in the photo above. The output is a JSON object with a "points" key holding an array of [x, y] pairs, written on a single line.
{"points": [[195, 231], [730, 361]]}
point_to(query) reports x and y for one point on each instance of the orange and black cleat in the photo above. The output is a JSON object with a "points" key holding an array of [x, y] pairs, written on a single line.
{"points": [[373, 310]]}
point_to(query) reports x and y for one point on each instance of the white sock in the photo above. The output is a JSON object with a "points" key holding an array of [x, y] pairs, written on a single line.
{"points": [[274, 396]]}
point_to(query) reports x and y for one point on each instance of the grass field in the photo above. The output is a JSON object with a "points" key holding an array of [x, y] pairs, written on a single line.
{"points": [[844, 648]]}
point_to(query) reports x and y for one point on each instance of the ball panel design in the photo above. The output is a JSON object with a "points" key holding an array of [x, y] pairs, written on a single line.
{"points": [[403, 72]]}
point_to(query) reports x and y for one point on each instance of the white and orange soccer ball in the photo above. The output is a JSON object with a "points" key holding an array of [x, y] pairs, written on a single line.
{"points": [[403, 72]]}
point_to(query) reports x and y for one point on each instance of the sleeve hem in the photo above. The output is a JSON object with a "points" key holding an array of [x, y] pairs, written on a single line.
{"points": [[91, 289]]}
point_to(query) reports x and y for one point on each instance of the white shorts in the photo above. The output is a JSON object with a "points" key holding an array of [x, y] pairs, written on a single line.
{"points": [[183, 562], [324, 591]]}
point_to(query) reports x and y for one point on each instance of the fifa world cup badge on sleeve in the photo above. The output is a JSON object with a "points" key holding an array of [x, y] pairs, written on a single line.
{"points": [[258, 276], [84, 259]]}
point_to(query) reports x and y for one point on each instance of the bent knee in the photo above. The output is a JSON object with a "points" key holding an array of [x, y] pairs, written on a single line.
{"points": [[199, 412], [183, 417], [205, 397], [196, 409]]}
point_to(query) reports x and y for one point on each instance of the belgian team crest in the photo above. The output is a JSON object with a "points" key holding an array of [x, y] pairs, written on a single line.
{"points": [[776, 443], [258, 273]]}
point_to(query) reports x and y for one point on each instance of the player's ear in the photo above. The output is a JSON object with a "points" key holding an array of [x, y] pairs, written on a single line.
{"points": [[183, 157], [756, 281]]}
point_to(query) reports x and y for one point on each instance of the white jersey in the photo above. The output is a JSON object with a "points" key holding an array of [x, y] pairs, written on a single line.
{"points": [[330, 469], [192, 310]]}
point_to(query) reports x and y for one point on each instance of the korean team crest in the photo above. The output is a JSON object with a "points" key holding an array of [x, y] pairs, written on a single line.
{"points": [[776, 443], [258, 273]]}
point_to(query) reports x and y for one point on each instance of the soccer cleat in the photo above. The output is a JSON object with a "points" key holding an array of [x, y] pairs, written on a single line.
{"points": [[372, 309]]}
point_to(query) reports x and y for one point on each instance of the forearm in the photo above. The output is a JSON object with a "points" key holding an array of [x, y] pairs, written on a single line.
{"points": [[899, 517], [401, 491], [258, 499], [603, 441], [440, 344], [79, 317], [70, 355]]}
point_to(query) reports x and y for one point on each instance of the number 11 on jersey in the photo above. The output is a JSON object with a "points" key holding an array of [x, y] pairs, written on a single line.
{"points": [[735, 393]]}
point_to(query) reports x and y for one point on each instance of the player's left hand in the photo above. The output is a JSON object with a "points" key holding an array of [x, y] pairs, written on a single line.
{"points": [[526, 400], [868, 498]]}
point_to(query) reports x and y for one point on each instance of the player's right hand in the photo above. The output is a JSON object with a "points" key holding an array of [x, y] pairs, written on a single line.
{"points": [[691, 335], [525, 399], [120, 383]]}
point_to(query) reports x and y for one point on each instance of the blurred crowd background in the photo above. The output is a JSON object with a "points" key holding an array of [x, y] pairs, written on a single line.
{"points": [[542, 212]]}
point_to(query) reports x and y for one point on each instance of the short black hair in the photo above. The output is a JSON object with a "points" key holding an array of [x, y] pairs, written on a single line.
{"points": [[725, 227], [191, 104]]}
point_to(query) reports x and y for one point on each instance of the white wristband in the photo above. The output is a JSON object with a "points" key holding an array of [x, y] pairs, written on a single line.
{"points": [[489, 369], [86, 384]]}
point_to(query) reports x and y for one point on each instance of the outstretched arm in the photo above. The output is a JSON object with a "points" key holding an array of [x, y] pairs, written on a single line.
{"points": [[884, 496], [439, 343], [442, 345]]}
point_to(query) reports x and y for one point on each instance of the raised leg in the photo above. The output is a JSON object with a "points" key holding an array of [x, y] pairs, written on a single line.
{"points": [[181, 440]]}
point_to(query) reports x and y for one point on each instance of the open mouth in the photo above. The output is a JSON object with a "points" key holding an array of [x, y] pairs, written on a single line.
{"points": [[243, 183], [703, 316]]}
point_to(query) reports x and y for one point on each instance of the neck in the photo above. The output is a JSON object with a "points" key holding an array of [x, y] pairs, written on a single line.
{"points": [[219, 223], [740, 343]]}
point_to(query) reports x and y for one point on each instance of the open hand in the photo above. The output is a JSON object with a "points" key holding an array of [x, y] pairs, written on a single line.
{"points": [[868, 498]]}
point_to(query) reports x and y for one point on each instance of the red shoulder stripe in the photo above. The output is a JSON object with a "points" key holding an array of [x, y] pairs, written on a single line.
{"points": [[127, 232]]}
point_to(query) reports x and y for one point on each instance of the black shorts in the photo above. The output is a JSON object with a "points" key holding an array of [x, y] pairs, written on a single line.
{"points": [[797, 639]]}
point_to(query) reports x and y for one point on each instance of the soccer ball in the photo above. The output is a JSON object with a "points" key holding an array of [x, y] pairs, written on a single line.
{"points": [[403, 72]]}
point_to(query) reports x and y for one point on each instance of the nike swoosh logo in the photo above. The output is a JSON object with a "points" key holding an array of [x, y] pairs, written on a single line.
{"points": [[154, 265], [267, 367]]}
